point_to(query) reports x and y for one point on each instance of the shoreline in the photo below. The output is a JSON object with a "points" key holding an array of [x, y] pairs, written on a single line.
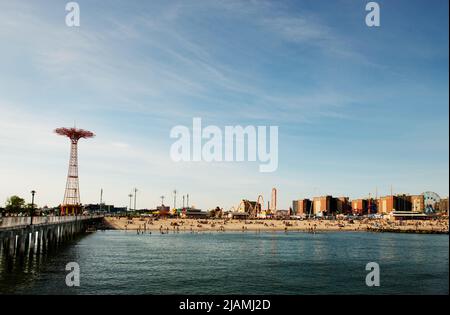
{"points": [[141, 225], [283, 231]]}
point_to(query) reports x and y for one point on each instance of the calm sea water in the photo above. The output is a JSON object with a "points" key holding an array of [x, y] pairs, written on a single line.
{"points": [[119, 262]]}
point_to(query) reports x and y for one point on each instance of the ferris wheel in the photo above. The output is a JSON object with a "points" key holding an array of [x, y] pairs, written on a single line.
{"points": [[431, 201]]}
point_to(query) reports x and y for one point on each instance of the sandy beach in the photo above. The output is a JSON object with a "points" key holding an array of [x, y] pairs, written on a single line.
{"points": [[142, 224]]}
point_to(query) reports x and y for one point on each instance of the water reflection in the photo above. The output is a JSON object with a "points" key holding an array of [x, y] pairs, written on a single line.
{"points": [[119, 262]]}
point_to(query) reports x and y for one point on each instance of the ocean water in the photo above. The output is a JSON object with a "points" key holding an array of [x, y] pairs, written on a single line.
{"points": [[121, 262]]}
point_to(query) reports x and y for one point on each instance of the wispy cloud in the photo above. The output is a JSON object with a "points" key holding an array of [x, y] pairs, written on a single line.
{"points": [[133, 74]]}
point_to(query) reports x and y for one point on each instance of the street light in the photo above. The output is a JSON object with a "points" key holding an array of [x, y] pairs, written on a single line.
{"points": [[33, 192], [175, 199], [131, 196]]}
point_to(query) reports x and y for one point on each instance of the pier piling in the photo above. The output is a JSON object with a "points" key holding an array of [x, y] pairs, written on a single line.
{"points": [[21, 239]]}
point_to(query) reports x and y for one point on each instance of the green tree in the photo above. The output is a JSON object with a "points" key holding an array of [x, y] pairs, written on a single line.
{"points": [[15, 204]]}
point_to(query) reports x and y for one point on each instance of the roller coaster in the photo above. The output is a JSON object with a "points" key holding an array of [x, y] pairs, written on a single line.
{"points": [[252, 208]]}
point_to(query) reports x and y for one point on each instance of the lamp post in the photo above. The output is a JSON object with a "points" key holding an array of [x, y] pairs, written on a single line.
{"points": [[101, 199], [33, 192], [135, 193], [131, 196], [175, 199]]}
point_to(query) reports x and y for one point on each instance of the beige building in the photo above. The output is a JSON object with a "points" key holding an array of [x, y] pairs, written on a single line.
{"points": [[321, 204], [443, 205], [417, 203]]}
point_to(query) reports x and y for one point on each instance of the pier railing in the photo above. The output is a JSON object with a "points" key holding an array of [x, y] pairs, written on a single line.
{"points": [[12, 222]]}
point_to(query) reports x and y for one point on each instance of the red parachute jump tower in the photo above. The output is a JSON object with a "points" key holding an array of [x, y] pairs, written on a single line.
{"points": [[71, 204]]}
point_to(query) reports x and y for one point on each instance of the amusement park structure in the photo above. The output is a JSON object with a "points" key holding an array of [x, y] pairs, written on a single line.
{"points": [[431, 201], [252, 208], [71, 204]]}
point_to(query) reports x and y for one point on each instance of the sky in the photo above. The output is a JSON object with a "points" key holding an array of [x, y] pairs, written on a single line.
{"points": [[359, 109]]}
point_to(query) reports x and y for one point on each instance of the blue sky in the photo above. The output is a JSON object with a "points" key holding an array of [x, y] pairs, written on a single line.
{"points": [[358, 108]]}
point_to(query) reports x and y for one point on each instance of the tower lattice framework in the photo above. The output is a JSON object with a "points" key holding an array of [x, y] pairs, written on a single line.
{"points": [[72, 204]]}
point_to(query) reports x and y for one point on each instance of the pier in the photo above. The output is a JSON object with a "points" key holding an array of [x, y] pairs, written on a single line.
{"points": [[22, 236]]}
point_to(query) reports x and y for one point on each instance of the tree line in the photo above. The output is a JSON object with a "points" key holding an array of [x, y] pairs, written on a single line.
{"points": [[16, 204]]}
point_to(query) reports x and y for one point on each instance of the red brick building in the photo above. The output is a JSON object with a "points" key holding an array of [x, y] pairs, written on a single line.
{"points": [[302, 207], [360, 206], [343, 205], [388, 204]]}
